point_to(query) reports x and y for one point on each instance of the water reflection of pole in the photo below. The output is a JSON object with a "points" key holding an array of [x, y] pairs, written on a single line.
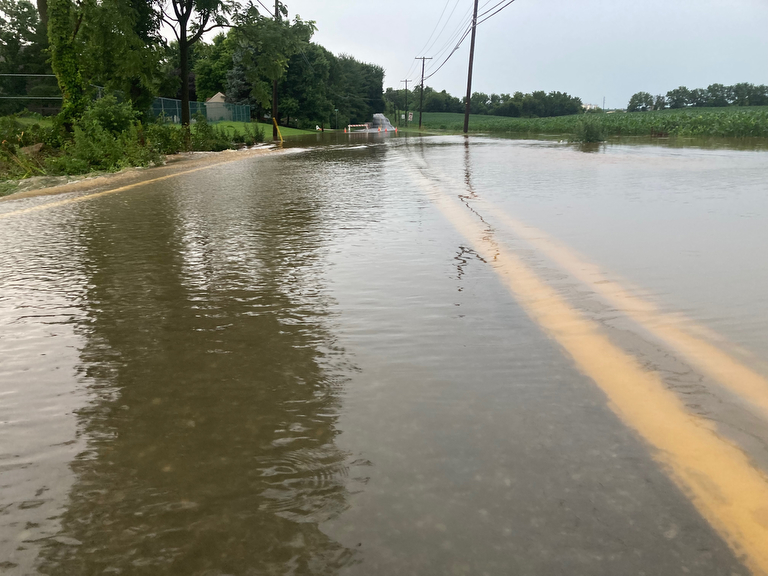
{"points": [[471, 61]]}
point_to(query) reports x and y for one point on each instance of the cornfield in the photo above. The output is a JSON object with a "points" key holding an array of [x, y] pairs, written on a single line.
{"points": [[735, 122]]}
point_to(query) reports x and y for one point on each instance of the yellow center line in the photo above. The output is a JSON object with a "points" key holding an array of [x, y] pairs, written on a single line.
{"points": [[116, 190], [715, 475], [674, 330]]}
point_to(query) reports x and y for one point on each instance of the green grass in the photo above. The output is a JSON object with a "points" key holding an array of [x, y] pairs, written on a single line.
{"points": [[266, 128], [732, 122]]}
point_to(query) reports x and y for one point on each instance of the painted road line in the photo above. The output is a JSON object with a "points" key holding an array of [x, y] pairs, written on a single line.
{"points": [[95, 195], [676, 331], [718, 478]]}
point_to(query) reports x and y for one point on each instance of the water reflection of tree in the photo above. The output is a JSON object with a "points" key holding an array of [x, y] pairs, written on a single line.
{"points": [[211, 430]]}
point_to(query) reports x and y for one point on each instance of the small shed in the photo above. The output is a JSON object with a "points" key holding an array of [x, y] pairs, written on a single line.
{"points": [[217, 98]]}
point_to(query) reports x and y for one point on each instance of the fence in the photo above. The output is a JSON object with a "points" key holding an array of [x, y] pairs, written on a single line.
{"points": [[170, 109], [34, 92], [40, 93]]}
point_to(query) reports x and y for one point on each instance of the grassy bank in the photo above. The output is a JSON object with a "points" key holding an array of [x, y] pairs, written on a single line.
{"points": [[733, 122], [108, 137], [265, 128]]}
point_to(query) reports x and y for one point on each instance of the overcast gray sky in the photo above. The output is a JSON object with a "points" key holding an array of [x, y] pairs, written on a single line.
{"points": [[588, 48]]}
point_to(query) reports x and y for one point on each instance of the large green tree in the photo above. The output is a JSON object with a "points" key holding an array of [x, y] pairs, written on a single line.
{"points": [[189, 20], [213, 63], [111, 43], [265, 47]]}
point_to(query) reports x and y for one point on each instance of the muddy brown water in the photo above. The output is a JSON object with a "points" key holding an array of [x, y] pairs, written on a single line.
{"points": [[293, 364]]}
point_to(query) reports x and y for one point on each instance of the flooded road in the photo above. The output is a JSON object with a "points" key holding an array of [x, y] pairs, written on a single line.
{"points": [[391, 356]]}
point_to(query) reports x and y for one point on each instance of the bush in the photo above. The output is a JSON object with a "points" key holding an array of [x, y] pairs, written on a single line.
{"points": [[93, 147], [206, 137], [165, 138], [115, 117], [588, 130]]}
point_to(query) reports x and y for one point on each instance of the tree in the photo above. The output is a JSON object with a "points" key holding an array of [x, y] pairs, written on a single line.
{"points": [[679, 97], [213, 63], [123, 49], [304, 90], [699, 97], [660, 102], [642, 101], [479, 103], [65, 19], [265, 47], [189, 20], [717, 95], [23, 41]]}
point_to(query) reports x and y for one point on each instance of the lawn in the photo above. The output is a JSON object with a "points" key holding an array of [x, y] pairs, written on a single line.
{"points": [[266, 128]]}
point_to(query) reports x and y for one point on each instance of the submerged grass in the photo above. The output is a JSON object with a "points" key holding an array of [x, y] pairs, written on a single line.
{"points": [[733, 122]]}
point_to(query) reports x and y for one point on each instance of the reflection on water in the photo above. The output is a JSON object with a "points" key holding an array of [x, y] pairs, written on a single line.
{"points": [[213, 394], [295, 365]]}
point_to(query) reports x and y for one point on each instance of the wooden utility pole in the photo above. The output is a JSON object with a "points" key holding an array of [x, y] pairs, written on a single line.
{"points": [[275, 134], [421, 101], [471, 61], [406, 101]]}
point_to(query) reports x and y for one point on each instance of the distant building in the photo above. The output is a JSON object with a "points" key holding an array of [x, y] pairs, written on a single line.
{"points": [[217, 98], [216, 108]]}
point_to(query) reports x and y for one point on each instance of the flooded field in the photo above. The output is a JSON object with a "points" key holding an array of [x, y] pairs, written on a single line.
{"points": [[391, 356]]}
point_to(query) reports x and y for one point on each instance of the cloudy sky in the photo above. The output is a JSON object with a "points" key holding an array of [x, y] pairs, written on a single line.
{"points": [[588, 48]]}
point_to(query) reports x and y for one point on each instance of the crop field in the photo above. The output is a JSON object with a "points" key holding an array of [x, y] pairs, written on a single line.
{"points": [[732, 122]]}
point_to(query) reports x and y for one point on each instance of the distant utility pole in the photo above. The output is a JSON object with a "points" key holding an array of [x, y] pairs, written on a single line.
{"points": [[421, 102], [274, 84], [603, 103], [406, 101], [471, 61]]}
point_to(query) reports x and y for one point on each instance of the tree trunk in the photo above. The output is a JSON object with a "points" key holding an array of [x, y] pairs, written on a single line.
{"points": [[42, 9], [274, 110], [64, 59], [184, 66]]}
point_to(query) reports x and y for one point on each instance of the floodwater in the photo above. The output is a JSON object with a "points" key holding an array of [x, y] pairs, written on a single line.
{"points": [[350, 358]]}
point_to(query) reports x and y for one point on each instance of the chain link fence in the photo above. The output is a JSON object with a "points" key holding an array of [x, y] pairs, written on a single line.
{"points": [[170, 109], [37, 93], [40, 93]]}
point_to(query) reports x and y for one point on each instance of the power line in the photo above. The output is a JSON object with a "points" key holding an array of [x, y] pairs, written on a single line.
{"points": [[497, 11], [467, 31]]}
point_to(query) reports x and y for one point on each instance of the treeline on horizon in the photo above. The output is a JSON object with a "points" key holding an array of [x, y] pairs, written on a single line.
{"points": [[537, 104], [713, 96], [117, 45]]}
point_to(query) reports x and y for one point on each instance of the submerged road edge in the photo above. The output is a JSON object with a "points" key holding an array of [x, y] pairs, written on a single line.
{"points": [[216, 161], [718, 478]]}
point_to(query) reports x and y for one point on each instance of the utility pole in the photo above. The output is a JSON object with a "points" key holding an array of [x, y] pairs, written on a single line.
{"points": [[406, 101], [603, 103], [274, 84], [421, 102], [471, 62]]}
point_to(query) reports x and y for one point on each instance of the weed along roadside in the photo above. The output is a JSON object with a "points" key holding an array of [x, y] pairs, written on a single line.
{"points": [[35, 152]]}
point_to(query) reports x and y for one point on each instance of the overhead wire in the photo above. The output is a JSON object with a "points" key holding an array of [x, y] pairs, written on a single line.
{"points": [[489, 13], [497, 11], [459, 32], [428, 46]]}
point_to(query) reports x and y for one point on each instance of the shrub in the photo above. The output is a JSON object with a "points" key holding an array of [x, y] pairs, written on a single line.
{"points": [[588, 130], [165, 138], [207, 137], [113, 116]]}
